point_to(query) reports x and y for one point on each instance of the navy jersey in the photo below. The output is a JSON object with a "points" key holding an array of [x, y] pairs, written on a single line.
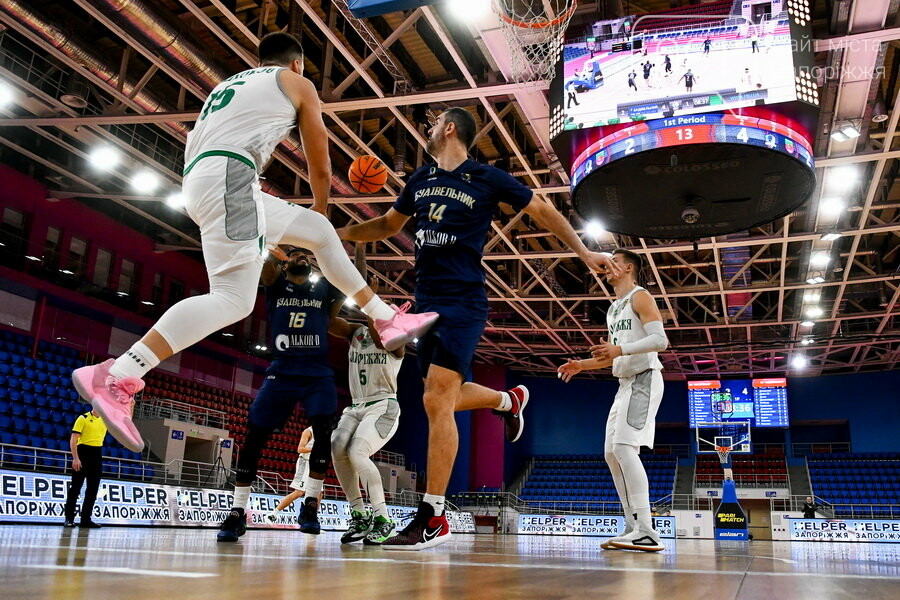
{"points": [[298, 317], [452, 212]]}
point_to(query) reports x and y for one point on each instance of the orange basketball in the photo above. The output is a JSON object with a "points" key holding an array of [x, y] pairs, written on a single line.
{"points": [[367, 174]]}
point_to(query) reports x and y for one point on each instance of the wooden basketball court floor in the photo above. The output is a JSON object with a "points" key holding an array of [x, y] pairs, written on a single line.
{"points": [[175, 564]]}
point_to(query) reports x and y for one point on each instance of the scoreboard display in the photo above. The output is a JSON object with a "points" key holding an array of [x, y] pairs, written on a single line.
{"points": [[762, 402], [695, 129]]}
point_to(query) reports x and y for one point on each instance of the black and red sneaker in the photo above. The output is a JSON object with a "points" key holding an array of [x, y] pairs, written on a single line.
{"points": [[513, 421], [424, 531]]}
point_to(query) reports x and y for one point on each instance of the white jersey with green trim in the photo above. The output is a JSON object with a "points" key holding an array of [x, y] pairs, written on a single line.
{"points": [[625, 326], [373, 371], [247, 114]]}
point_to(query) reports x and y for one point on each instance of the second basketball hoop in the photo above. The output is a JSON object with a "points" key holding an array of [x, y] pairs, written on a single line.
{"points": [[534, 31]]}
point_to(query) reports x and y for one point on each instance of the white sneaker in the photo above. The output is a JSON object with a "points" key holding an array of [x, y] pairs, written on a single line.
{"points": [[271, 518], [641, 538], [607, 545]]}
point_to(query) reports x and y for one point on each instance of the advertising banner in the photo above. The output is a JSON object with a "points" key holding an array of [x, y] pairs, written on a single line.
{"points": [[845, 530], [40, 498], [587, 525]]}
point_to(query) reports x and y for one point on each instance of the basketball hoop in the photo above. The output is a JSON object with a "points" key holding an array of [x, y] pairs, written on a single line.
{"points": [[723, 452], [533, 30]]}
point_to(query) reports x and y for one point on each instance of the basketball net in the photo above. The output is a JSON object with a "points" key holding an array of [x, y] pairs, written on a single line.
{"points": [[724, 453], [534, 35]]}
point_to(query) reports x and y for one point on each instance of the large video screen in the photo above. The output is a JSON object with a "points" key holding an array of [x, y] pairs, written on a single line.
{"points": [[675, 71], [763, 402]]}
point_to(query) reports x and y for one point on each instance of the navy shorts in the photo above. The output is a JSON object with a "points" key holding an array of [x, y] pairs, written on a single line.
{"points": [[280, 394], [452, 341]]}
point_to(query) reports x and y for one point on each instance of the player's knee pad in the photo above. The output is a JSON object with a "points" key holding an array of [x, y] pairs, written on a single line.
{"points": [[340, 444], [610, 458], [321, 452], [625, 453], [358, 455], [248, 460]]}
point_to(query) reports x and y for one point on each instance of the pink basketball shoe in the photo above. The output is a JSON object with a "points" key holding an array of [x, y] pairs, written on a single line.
{"points": [[404, 327], [112, 398]]}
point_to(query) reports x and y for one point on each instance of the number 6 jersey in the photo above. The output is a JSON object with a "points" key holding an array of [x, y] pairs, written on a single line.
{"points": [[247, 114]]}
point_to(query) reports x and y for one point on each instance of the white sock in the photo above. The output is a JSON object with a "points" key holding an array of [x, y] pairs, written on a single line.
{"points": [[380, 510], [358, 505], [505, 403], [241, 497], [644, 520], [436, 502], [135, 362], [313, 487], [629, 516], [377, 309]]}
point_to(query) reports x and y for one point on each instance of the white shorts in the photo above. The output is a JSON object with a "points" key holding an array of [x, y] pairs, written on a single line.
{"points": [[371, 426], [301, 471], [632, 418], [237, 220]]}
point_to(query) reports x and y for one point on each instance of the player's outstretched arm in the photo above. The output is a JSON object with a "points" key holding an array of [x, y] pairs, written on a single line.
{"points": [[379, 228], [313, 134], [341, 328], [549, 218], [573, 367]]}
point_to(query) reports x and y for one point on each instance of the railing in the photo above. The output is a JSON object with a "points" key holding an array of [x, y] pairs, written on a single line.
{"points": [[672, 502], [164, 408], [745, 480], [805, 449], [829, 510]]}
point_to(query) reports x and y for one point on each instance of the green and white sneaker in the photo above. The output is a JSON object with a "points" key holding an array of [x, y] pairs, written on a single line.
{"points": [[360, 525], [381, 530]]}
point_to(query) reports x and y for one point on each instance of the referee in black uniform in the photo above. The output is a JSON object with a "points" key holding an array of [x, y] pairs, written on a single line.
{"points": [[86, 443]]}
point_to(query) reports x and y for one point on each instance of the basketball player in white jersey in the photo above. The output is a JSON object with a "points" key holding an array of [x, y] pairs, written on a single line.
{"points": [[364, 428], [636, 336], [241, 123], [301, 472]]}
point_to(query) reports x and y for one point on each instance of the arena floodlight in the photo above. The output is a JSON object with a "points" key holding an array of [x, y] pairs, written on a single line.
{"points": [[145, 182], [819, 259], [814, 312], [799, 362], [105, 158]]}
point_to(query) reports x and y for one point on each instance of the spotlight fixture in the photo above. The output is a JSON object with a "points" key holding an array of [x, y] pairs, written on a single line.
{"points": [[799, 362], [145, 182], [807, 323], [814, 312], [104, 158], [314, 277], [815, 280], [830, 236], [819, 259]]}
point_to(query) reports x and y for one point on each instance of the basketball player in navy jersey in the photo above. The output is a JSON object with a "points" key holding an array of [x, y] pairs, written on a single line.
{"points": [[452, 204], [300, 311]]}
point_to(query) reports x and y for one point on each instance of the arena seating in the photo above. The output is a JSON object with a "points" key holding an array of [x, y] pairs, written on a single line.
{"points": [[750, 470], [723, 7], [38, 405], [584, 479], [856, 478], [573, 52]]}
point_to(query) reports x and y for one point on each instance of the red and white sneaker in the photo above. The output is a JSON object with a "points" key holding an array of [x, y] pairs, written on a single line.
{"points": [[513, 420], [424, 531], [112, 398], [404, 327]]}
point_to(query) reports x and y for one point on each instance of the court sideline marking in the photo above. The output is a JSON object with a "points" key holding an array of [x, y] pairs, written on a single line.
{"points": [[122, 571], [447, 563]]}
